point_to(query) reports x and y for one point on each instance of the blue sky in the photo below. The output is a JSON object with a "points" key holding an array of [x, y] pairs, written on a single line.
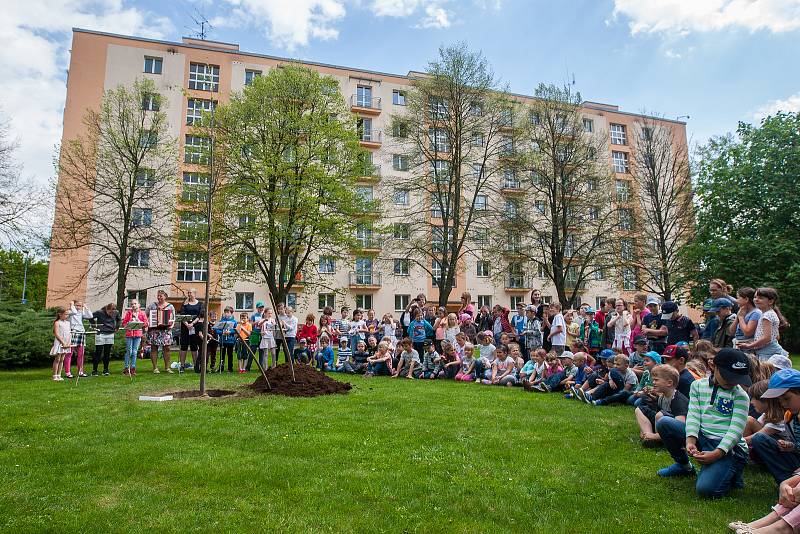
{"points": [[719, 61]]}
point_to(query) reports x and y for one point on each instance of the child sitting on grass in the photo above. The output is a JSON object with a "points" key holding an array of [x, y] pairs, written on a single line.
{"points": [[502, 373], [663, 400], [483, 366], [771, 441], [714, 426], [408, 361], [616, 388], [467, 371], [575, 381], [324, 355], [301, 353], [430, 360], [381, 362], [447, 365], [360, 356], [343, 356], [557, 381], [532, 373], [642, 389]]}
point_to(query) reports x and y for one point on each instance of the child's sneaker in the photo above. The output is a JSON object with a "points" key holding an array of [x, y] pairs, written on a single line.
{"points": [[133, 371], [677, 470], [125, 372], [587, 398], [569, 395], [95, 373], [69, 375], [83, 375], [106, 373], [579, 394], [156, 371]]}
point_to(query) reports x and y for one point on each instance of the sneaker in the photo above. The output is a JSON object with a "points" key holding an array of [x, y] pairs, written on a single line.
{"points": [[587, 398], [156, 371], [527, 386], [95, 373], [569, 395], [69, 375], [106, 373], [57, 378], [547, 388], [676, 470], [169, 371], [596, 402], [188, 366], [133, 371], [82, 375], [125, 372], [580, 394]]}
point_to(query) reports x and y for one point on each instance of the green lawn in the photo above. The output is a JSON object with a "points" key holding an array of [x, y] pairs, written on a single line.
{"points": [[391, 456]]}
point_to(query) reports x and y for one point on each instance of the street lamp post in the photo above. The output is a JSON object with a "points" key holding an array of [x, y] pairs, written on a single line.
{"points": [[25, 278]]}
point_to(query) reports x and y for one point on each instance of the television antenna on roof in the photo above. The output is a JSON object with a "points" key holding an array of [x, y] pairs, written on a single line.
{"points": [[201, 22]]}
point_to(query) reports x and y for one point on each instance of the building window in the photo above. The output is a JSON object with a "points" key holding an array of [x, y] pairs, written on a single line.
{"points": [[364, 96], [437, 108], [440, 205], [399, 129], [506, 117], [439, 140], [195, 108], [511, 209], [625, 218], [291, 300], [195, 149], [245, 263], [480, 236], [139, 257], [401, 231], [365, 133], [507, 146], [142, 217], [401, 267], [365, 193], [436, 272], [364, 235], [401, 197], [480, 203], [484, 300], [440, 168], [569, 246], [598, 303], [482, 270], [150, 102], [620, 161], [618, 136], [591, 184], [327, 265], [398, 98], [516, 300], [153, 65], [542, 272], [401, 302], [588, 125], [364, 302], [437, 237], [477, 139], [598, 273], [148, 139], [204, 77], [623, 188], [626, 249], [192, 267], [192, 226], [400, 162], [195, 187], [541, 206], [325, 300], [145, 177], [510, 180], [535, 118], [628, 279], [244, 301], [139, 295], [647, 133], [250, 75], [476, 109], [594, 213]]}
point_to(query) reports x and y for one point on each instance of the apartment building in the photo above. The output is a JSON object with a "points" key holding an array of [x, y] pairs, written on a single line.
{"points": [[194, 73]]}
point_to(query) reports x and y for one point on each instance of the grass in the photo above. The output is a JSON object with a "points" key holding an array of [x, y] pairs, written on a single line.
{"points": [[391, 456]]}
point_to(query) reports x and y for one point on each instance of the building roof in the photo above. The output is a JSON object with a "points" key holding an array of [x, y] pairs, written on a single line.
{"points": [[232, 48]]}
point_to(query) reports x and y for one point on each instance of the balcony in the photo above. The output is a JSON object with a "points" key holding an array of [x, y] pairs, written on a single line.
{"points": [[511, 188], [508, 152], [571, 284], [512, 250], [370, 174], [370, 138], [364, 280], [368, 105], [518, 283], [367, 245]]}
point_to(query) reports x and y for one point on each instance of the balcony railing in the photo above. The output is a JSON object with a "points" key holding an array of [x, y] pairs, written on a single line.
{"points": [[370, 136], [367, 243], [365, 102], [370, 170], [518, 282], [364, 279]]}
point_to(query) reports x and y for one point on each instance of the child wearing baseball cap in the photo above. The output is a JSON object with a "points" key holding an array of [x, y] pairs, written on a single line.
{"points": [[784, 385], [712, 435]]}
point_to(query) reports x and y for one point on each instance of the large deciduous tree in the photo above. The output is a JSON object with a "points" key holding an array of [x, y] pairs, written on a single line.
{"points": [[456, 127], [288, 157], [567, 227], [662, 176], [747, 194], [116, 188], [19, 199]]}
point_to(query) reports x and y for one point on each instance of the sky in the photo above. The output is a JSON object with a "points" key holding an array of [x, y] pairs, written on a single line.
{"points": [[717, 61]]}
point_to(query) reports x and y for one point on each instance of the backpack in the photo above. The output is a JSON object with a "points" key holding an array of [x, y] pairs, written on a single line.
{"points": [[593, 339]]}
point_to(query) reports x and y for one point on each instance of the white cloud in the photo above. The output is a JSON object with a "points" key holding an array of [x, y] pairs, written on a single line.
{"points": [[435, 17], [685, 16], [34, 41], [672, 54], [431, 13], [790, 104], [288, 24]]}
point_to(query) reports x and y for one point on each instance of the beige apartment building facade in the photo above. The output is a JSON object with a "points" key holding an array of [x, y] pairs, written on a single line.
{"points": [[193, 72]]}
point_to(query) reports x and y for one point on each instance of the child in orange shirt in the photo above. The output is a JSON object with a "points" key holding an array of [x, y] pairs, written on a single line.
{"points": [[243, 329]]}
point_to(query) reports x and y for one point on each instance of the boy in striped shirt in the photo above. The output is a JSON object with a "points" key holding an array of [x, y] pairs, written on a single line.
{"points": [[712, 435]]}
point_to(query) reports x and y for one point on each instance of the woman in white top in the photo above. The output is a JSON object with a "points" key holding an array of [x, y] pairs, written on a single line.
{"points": [[621, 323], [765, 342]]}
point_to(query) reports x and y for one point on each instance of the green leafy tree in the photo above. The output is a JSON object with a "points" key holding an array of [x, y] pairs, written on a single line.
{"points": [[12, 265], [116, 184], [747, 198], [286, 161]]}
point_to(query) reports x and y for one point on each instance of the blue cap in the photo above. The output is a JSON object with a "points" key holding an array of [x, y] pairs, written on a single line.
{"points": [[718, 304], [260, 304], [708, 304], [682, 344], [653, 355], [781, 382], [606, 354], [589, 309]]}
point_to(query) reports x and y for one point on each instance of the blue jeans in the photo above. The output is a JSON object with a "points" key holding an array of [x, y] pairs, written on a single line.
{"points": [[378, 368], [781, 465], [553, 380], [634, 401], [604, 394], [131, 350], [714, 480]]}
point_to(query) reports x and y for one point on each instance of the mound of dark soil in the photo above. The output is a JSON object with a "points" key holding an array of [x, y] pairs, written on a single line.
{"points": [[193, 393], [308, 382]]}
